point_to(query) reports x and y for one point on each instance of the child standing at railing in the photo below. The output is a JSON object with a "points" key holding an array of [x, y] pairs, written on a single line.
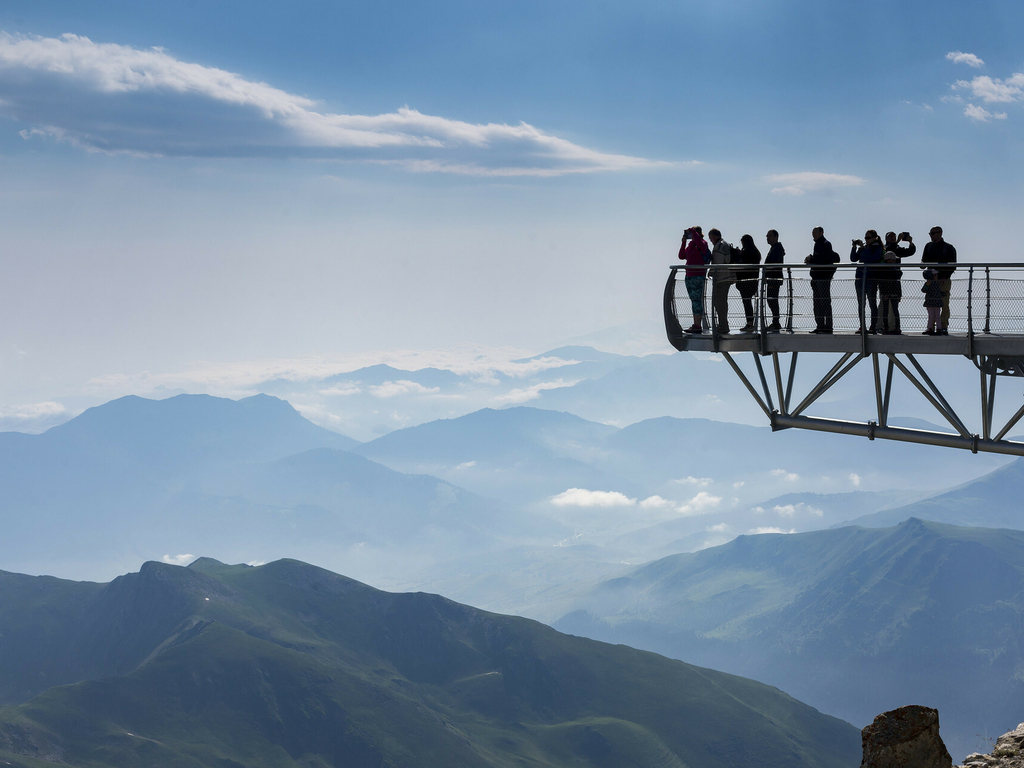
{"points": [[932, 301]]}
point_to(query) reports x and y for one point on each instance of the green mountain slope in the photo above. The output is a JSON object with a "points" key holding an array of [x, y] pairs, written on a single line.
{"points": [[855, 621], [288, 665]]}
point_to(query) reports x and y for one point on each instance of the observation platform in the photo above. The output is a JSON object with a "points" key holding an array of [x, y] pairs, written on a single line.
{"points": [[985, 326]]}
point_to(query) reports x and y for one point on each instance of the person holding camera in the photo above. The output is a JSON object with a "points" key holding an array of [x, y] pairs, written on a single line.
{"points": [[890, 288], [696, 254], [721, 279], [823, 261], [773, 278], [869, 252], [938, 251]]}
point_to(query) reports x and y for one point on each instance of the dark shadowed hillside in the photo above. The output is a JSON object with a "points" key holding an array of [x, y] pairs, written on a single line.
{"points": [[287, 664]]}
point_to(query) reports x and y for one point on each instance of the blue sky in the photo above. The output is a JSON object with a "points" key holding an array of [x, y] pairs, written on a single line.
{"points": [[255, 188]]}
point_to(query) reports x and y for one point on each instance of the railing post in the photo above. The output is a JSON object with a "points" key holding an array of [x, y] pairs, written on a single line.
{"points": [[713, 273], [860, 310], [789, 306], [970, 312], [760, 313], [988, 301]]}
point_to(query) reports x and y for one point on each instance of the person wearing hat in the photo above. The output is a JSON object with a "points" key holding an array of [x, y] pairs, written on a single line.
{"points": [[938, 251], [890, 287]]}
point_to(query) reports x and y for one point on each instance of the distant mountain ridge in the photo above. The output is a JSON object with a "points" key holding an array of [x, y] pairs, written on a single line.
{"points": [[855, 621], [287, 665]]}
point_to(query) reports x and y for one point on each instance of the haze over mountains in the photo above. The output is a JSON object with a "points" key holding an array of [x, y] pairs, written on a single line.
{"points": [[545, 514], [854, 621], [287, 664]]}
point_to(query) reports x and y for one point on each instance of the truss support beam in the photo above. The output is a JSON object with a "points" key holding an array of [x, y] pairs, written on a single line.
{"points": [[938, 396], [1011, 423], [873, 431], [952, 418], [792, 375], [826, 383], [746, 382]]}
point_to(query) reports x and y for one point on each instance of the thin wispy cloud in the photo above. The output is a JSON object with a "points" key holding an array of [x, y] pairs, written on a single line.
{"points": [[115, 98], [401, 387], [797, 184], [959, 57]]}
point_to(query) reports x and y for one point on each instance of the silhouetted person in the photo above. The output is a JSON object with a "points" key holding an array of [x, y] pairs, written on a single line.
{"points": [[932, 291], [746, 280], [823, 259], [695, 253], [721, 253], [869, 252], [773, 278], [938, 251], [890, 288]]}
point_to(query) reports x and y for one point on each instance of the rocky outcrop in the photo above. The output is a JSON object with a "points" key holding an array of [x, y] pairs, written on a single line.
{"points": [[1008, 752], [907, 737]]}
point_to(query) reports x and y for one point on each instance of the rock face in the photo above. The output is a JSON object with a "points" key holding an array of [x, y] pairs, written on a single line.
{"points": [[1008, 752], [907, 737]]}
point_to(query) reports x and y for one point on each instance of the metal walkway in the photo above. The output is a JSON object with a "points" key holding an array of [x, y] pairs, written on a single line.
{"points": [[986, 326]]}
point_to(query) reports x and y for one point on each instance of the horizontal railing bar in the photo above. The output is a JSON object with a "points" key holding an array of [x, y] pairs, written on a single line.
{"points": [[902, 434], [855, 265]]}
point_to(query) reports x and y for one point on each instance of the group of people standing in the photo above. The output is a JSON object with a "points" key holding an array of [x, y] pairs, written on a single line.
{"points": [[878, 278]]}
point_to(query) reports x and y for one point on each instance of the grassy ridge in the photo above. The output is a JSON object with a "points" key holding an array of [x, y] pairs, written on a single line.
{"points": [[287, 665]]}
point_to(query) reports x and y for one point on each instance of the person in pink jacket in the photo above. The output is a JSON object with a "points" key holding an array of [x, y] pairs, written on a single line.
{"points": [[695, 253]]}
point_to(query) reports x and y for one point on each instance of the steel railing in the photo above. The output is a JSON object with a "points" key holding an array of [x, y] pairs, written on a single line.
{"points": [[983, 298]]}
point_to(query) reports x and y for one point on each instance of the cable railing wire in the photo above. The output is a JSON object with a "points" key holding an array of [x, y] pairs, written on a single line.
{"points": [[983, 299]]}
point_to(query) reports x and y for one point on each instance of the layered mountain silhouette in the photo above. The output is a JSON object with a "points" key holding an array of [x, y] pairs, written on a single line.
{"points": [[855, 621], [140, 478], [290, 665]]}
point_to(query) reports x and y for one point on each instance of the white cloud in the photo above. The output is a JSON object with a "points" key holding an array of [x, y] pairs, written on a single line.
{"points": [[855, 479], [720, 528], [32, 411], [148, 102], [700, 504], [240, 379], [982, 115], [256, 563], [739, 483], [791, 477], [466, 465], [811, 181], [581, 497], [759, 510], [790, 510], [700, 482], [769, 529], [958, 57], [401, 387], [343, 389], [954, 99], [523, 395], [656, 502], [992, 90], [178, 559]]}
